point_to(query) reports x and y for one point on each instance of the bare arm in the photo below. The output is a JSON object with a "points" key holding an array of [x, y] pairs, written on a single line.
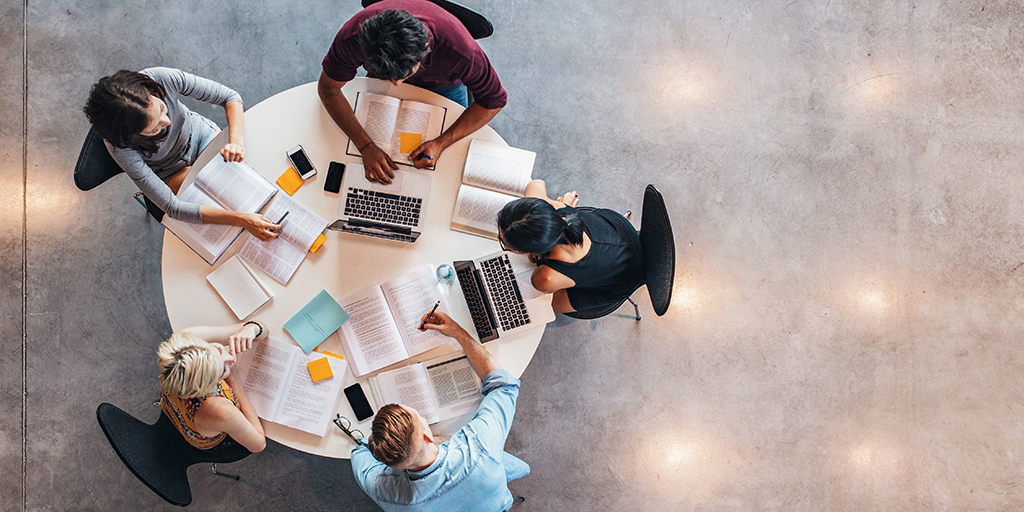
{"points": [[480, 359], [238, 337], [234, 150], [377, 164], [471, 120], [254, 223]]}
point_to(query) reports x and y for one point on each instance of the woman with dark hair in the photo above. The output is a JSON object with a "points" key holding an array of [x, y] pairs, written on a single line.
{"points": [[587, 258], [156, 139]]}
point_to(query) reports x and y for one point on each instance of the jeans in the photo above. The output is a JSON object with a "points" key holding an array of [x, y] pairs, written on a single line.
{"points": [[459, 94], [514, 467]]}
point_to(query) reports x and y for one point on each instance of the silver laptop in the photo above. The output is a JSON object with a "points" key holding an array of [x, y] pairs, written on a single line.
{"points": [[392, 212], [500, 297]]}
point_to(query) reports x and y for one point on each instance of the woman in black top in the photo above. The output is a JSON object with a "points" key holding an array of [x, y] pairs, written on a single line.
{"points": [[588, 258]]}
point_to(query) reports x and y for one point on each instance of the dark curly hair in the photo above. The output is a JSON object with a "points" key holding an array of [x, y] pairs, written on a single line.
{"points": [[394, 42], [118, 109]]}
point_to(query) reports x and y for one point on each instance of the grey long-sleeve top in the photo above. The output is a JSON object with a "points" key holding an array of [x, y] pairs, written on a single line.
{"points": [[141, 167]]}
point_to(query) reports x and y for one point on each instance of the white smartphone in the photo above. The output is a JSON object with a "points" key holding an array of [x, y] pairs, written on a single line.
{"points": [[300, 161]]}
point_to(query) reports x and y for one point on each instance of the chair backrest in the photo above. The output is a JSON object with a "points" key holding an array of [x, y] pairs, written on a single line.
{"points": [[157, 454], [659, 250], [477, 25], [95, 165]]}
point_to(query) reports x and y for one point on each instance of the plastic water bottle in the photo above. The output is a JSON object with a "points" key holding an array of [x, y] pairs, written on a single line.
{"points": [[446, 274]]}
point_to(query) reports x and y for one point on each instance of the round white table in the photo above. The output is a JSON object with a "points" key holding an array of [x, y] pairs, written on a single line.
{"points": [[346, 263]]}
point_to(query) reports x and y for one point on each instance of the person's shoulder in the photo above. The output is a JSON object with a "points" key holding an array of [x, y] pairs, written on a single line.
{"points": [[545, 279]]}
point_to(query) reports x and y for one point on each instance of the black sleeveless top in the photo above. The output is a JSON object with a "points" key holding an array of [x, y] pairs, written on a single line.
{"points": [[614, 266]]}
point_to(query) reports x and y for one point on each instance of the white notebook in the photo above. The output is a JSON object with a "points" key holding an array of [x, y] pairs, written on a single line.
{"points": [[240, 287]]}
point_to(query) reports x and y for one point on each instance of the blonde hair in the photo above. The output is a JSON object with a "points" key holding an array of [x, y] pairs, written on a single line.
{"points": [[187, 369]]}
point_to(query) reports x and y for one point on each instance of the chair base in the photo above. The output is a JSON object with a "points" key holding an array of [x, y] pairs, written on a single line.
{"points": [[225, 475], [590, 314]]}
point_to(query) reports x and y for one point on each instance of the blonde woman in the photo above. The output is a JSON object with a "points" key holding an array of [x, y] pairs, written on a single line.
{"points": [[200, 394]]}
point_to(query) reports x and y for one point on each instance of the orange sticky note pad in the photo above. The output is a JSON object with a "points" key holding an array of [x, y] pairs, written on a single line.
{"points": [[318, 242], [320, 369], [409, 141], [332, 354], [290, 181]]}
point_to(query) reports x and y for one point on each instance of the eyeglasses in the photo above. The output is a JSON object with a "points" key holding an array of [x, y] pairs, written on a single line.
{"points": [[346, 426], [501, 242]]}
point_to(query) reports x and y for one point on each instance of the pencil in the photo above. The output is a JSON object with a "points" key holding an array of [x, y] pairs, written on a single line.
{"points": [[430, 315]]}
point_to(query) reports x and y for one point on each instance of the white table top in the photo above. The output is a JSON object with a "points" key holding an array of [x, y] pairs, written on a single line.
{"points": [[346, 263]]}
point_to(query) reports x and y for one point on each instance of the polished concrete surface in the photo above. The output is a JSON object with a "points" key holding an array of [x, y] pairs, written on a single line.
{"points": [[844, 181]]}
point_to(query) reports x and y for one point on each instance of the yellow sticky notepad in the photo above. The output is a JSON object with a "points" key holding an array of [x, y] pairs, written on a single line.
{"points": [[318, 242], [409, 141], [320, 369], [332, 354], [290, 181]]}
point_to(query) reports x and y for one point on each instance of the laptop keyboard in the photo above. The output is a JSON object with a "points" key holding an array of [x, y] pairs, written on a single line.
{"points": [[482, 318], [383, 207], [506, 299]]}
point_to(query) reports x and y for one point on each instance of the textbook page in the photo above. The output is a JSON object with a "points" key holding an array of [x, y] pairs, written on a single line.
{"points": [[281, 257], [240, 288], [410, 387], [455, 384], [417, 123], [236, 185], [370, 338], [264, 369], [410, 297], [307, 405], [498, 168], [208, 240], [377, 114], [278, 258], [476, 211]]}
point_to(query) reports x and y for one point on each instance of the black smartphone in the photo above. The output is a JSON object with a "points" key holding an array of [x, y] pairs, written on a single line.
{"points": [[335, 172], [300, 161], [356, 398]]}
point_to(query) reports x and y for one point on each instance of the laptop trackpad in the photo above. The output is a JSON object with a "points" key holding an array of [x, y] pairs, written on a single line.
{"points": [[394, 188]]}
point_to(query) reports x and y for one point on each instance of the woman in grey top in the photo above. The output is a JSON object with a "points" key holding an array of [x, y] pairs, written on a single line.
{"points": [[156, 139]]}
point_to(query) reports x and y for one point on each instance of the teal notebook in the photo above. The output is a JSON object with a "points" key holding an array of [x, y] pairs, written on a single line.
{"points": [[316, 321]]}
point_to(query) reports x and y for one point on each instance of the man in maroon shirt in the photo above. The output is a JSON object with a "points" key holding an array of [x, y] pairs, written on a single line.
{"points": [[417, 42]]}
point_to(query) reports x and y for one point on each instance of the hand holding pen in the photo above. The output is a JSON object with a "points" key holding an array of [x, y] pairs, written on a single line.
{"points": [[429, 316]]}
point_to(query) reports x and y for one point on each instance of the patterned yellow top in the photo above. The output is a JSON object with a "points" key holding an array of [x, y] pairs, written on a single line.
{"points": [[182, 413]]}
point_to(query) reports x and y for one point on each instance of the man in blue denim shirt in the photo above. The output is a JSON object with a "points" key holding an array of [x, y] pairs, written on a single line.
{"points": [[401, 468]]}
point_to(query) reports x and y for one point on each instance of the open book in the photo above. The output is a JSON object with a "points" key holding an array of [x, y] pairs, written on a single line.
{"points": [[280, 257], [276, 379], [494, 176], [438, 389], [384, 322], [396, 126], [239, 287], [232, 186]]}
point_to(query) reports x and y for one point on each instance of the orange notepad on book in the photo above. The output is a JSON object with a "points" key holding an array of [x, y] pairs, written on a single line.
{"points": [[290, 181]]}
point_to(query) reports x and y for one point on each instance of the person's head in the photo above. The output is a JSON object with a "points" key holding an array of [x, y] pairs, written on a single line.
{"points": [[127, 109], [191, 367], [394, 42], [399, 436], [532, 225]]}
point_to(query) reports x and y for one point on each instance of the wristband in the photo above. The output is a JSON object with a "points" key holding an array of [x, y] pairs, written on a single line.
{"points": [[365, 146], [258, 326]]}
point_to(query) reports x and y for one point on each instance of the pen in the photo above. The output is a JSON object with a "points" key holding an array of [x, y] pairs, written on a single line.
{"points": [[424, 155], [279, 221], [431, 314]]}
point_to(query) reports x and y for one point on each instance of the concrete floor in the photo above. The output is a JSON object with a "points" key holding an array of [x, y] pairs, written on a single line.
{"points": [[844, 180]]}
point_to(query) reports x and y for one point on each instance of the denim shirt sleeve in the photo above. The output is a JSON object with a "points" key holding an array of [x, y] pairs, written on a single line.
{"points": [[493, 418], [366, 469]]}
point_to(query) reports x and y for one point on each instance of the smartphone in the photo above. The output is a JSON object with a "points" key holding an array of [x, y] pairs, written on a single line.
{"points": [[335, 172], [356, 398], [300, 161]]}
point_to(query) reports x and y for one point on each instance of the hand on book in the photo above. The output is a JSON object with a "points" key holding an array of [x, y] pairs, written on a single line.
{"points": [[443, 324], [242, 340], [233, 152], [378, 165], [426, 154], [259, 226]]}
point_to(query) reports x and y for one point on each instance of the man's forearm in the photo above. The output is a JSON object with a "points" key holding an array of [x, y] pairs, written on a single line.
{"points": [[471, 120], [479, 358], [340, 110]]}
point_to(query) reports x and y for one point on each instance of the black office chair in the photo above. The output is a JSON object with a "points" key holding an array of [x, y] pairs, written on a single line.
{"points": [[158, 455], [659, 248], [475, 23], [95, 166]]}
